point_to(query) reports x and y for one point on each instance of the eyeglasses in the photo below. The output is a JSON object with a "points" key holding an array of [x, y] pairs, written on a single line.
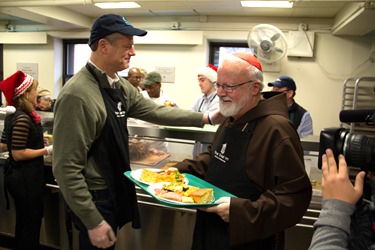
{"points": [[229, 88]]}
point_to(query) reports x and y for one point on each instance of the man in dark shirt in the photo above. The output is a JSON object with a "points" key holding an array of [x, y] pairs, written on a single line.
{"points": [[299, 116], [135, 77]]}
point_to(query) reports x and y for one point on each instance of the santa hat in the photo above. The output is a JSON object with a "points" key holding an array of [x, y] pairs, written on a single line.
{"points": [[15, 85], [210, 72]]}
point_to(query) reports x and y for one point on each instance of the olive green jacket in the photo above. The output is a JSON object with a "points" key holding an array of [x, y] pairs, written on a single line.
{"points": [[79, 118]]}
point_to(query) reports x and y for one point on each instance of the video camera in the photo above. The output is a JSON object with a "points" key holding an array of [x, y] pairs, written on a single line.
{"points": [[358, 149]]}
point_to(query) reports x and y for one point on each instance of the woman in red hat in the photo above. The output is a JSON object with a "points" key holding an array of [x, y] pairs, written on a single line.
{"points": [[24, 169]]}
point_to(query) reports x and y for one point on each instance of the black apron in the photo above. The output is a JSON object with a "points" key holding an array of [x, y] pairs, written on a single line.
{"points": [[33, 169], [25, 182], [227, 171], [111, 155]]}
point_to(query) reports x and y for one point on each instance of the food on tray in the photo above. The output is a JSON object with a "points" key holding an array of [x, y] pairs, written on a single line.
{"points": [[182, 189], [203, 195], [168, 175], [138, 149], [169, 164], [148, 176], [154, 151], [185, 193]]}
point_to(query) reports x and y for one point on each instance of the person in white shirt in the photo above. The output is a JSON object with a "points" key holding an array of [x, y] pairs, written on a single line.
{"points": [[209, 101], [152, 84], [154, 92]]}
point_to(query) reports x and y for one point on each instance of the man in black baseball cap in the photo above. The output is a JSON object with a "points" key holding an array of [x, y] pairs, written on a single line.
{"points": [[111, 23], [93, 153], [284, 82], [299, 116], [100, 202]]}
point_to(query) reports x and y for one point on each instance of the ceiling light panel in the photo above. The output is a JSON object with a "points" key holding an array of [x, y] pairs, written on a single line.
{"points": [[118, 5], [267, 4]]}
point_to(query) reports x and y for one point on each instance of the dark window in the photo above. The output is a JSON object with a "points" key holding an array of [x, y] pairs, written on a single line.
{"points": [[77, 52], [218, 50]]}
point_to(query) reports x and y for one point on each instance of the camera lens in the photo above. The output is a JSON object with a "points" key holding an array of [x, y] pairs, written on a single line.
{"points": [[359, 151]]}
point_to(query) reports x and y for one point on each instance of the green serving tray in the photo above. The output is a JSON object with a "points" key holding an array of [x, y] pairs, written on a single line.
{"points": [[193, 181]]}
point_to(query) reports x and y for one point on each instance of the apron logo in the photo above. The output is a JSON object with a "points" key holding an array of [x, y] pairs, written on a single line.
{"points": [[120, 113], [220, 156], [223, 147]]}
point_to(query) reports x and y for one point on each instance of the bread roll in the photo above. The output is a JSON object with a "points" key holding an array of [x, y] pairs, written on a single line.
{"points": [[202, 195]]}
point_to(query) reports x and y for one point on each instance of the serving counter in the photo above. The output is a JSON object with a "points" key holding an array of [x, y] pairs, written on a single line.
{"points": [[163, 227]]}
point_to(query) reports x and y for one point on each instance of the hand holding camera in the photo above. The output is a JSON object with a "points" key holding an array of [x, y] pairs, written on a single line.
{"points": [[335, 180]]}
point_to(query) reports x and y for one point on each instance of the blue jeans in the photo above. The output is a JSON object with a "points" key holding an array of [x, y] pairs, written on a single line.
{"points": [[104, 204]]}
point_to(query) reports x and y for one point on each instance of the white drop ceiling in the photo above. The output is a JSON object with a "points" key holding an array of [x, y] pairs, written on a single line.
{"points": [[347, 17]]}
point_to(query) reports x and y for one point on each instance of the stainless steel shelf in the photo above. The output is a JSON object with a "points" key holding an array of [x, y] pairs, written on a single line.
{"points": [[203, 135]]}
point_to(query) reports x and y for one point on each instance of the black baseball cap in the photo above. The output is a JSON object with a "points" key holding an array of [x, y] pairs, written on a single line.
{"points": [[111, 23], [284, 81]]}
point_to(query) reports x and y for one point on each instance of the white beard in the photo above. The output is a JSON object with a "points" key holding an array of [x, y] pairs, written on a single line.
{"points": [[232, 109]]}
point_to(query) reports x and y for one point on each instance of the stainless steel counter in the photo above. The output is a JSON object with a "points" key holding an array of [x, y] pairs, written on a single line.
{"points": [[162, 227], [203, 135]]}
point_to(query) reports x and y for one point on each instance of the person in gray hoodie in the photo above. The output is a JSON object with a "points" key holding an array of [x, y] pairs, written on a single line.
{"points": [[345, 221]]}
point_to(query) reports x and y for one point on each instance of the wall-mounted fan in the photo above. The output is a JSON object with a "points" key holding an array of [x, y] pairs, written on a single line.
{"points": [[268, 42]]}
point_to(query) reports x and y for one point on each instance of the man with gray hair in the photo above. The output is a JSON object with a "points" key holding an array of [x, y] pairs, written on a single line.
{"points": [[258, 157]]}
